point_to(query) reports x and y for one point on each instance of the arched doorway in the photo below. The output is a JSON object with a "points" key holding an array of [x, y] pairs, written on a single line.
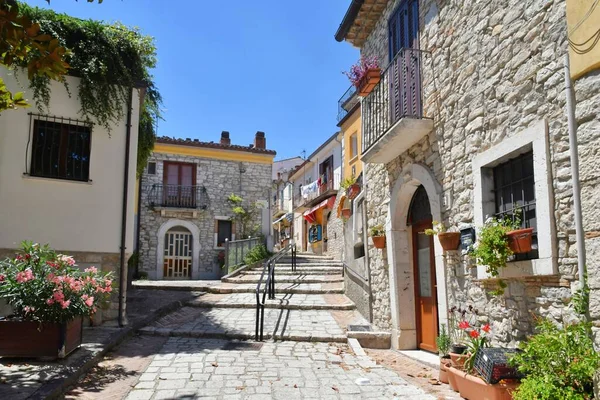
{"points": [[178, 253], [424, 272]]}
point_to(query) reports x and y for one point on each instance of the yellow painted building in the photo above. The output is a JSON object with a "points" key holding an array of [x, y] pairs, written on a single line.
{"points": [[583, 24], [350, 126]]}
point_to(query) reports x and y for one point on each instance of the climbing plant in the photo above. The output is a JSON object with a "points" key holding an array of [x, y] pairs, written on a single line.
{"points": [[109, 59]]}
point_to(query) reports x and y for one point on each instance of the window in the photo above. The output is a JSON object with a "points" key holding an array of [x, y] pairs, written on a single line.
{"points": [[353, 146], [403, 27], [179, 188], [61, 151], [224, 231], [152, 168], [514, 190]]}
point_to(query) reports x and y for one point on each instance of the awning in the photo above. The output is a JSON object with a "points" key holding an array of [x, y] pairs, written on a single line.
{"points": [[287, 218], [309, 215]]}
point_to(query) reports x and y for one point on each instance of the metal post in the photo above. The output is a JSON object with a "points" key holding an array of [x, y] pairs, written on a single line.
{"points": [[579, 233], [262, 322], [226, 254]]}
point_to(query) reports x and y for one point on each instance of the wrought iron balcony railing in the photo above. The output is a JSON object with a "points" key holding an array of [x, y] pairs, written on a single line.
{"points": [[397, 96], [348, 100], [178, 196]]}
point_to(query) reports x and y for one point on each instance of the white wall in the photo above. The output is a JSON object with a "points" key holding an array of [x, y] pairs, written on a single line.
{"points": [[70, 216]]}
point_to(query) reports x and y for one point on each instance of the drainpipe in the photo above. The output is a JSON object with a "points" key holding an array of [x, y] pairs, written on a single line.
{"points": [[579, 233], [123, 270]]}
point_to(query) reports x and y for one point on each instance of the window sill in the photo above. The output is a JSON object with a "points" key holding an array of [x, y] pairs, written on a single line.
{"points": [[41, 178], [521, 269]]}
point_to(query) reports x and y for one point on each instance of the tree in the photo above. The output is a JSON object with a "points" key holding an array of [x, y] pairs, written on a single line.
{"points": [[23, 45], [245, 215]]}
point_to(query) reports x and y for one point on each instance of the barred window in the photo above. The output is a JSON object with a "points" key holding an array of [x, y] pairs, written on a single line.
{"points": [[514, 192], [61, 150]]}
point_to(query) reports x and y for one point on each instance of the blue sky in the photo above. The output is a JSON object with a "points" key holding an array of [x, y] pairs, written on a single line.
{"points": [[241, 66]]}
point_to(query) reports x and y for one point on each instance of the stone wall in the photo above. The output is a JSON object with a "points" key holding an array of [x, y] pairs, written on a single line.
{"points": [[492, 70], [335, 231], [221, 178]]}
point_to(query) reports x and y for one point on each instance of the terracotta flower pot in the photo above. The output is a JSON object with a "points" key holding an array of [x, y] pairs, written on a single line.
{"points": [[458, 348], [32, 339], [444, 370], [458, 360], [379, 241], [449, 240], [353, 191], [520, 240], [452, 380], [369, 81], [346, 212], [473, 388]]}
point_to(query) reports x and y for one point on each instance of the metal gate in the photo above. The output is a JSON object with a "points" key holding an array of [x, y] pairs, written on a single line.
{"points": [[178, 255]]}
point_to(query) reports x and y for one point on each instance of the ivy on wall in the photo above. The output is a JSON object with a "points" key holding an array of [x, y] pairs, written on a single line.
{"points": [[110, 60]]}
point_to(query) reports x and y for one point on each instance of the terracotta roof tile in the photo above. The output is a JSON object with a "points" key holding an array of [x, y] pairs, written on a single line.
{"points": [[212, 145]]}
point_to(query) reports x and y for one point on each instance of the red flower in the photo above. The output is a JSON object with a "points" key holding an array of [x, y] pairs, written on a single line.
{"points": [[486, 328], [474, 334], [463, 325]]}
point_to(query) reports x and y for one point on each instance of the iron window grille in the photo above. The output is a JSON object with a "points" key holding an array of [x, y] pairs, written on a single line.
{"points": [[61, 148], [514, 193], [152, 168]]}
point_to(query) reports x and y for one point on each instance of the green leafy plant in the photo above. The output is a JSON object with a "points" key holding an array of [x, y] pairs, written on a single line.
{"points": [[491, 248], [443, 342], [581, 300], [377, 230], [245, 214], [44, 286], [438, 227], [346, 183], [256, 254], [559, 363]]}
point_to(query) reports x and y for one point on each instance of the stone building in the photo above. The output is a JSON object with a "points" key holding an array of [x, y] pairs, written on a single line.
{"points": [[316, 182], [469, 121], [281, 205], [184, 214]]}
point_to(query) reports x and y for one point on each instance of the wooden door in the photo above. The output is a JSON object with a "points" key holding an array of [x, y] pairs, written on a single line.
{"points": [[425, 287]]}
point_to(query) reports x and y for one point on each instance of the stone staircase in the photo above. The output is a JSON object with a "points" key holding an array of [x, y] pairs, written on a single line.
{"points": [[309, 305]]}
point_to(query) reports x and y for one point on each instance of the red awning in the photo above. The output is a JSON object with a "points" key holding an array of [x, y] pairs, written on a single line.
{"points": [[309, 215]]}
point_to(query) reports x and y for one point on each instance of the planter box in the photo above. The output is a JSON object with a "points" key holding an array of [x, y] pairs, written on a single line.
{"points": [[458, 360], [443, 377], [473, 388], [33, 339], [369, 81], [346, 212], [520, 240]]}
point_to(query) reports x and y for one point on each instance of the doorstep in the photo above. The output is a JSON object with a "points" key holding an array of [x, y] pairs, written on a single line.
{"points": [[424, 357]]}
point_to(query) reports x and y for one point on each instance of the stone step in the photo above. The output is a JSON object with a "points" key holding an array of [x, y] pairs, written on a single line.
{"points": [[234, 323], [296, 278], [287, 302], [284, 288], [306, 262], [302, 267], [304, 271]]}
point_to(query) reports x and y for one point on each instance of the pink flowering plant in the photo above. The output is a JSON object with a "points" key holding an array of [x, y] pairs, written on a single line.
{"points": [[359, 70], [44, 286]]}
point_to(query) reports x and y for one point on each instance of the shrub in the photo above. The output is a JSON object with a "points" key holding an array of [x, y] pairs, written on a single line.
{"points": [[44, 286], [256, 254], [443, 342], [558, 363]]}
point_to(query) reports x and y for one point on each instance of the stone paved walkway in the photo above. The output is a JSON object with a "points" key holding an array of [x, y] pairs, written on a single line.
{"points": [[197, 368]]}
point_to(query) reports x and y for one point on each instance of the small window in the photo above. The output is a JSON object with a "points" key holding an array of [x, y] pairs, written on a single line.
{"points": [[514, 190], [61, 151], [224, 231], [353, 146], [152, 168]]}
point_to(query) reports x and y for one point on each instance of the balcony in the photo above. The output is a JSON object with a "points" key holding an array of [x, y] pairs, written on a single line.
{"points": [[178, 196], [347, 102], [392, 113], [321, 192]]}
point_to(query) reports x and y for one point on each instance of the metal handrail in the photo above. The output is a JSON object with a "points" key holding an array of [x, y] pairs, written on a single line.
{"points": [[269, 287]]}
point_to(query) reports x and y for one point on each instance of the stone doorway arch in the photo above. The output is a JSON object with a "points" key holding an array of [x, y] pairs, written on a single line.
{"points": [[400, 254], [160, 251]]}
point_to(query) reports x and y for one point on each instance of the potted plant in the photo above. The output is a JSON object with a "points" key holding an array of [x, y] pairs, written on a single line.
{"points": [[443, 344], [351, 187], [364, 75], [492, 247], [378, 236], [448, 240], [520, 240], [49, 296]]}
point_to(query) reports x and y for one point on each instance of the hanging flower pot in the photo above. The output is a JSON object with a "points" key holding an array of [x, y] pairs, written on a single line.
{"points": [[353, 191], [346, 212], [449, 240], [520, 240], [379, 242], [369, 81]]}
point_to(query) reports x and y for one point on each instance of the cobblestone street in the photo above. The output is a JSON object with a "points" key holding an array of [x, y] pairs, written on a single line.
{"points": [[206, 368]]}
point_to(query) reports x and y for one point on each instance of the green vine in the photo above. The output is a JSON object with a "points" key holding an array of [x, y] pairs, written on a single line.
{"points": [[110, 60]]}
